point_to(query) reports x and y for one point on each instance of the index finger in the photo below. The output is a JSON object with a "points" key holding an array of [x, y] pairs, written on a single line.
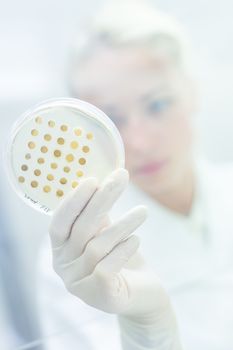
{"points": [[70, 208]]}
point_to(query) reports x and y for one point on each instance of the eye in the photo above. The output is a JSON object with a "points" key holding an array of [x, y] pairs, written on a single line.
{"points": [[159, 105]]}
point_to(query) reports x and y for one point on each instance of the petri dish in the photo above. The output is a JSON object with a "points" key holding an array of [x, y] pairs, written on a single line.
{"points": [[55, 145]]}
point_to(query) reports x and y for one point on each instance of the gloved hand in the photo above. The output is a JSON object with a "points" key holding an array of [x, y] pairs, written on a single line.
{"points": [[99, 263]]}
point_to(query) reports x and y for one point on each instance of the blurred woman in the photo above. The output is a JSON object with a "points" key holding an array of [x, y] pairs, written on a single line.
{"points": [[134, 64]]}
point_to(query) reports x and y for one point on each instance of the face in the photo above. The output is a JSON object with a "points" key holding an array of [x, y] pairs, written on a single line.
{"points": [[151, 103]]}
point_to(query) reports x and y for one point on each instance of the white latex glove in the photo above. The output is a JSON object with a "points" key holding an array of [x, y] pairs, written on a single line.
{"points": [[99, 263]]}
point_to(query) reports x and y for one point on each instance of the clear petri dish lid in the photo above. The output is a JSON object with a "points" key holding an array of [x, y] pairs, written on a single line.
{"points": [[57, 144]]}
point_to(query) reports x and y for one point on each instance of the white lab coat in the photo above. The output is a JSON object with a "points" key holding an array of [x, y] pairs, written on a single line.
{"points": [[193, 257]]}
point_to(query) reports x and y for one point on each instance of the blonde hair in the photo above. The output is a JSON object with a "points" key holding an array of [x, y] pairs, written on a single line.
{"points": [[134, 22]]}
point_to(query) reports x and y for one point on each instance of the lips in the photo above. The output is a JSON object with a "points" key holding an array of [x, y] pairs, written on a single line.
{"points": [[151, 167]]}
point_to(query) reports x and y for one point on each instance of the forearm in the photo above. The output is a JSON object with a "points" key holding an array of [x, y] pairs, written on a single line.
{"points": [[154, 333]]}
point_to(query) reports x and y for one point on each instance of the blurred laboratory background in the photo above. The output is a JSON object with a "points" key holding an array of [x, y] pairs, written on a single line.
{"points": [[36, 39]]}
